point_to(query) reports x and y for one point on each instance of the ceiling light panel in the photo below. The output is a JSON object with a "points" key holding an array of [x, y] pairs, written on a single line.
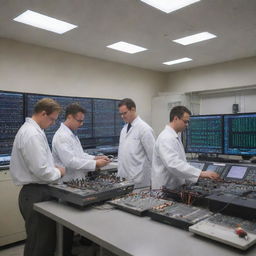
{"points": [[173, 62], [126, 47], [169, 5], [44, 22], [194, 38]]}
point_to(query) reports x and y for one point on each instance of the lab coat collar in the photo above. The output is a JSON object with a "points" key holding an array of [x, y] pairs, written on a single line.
{"points": [[133, 124], [171, 130], [34, 123], [135, 121], [68, 130]]}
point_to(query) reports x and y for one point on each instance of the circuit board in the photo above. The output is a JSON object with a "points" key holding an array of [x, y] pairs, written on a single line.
{"points": [[91, 190], [221, 228], [139, 203], [179, 215]]}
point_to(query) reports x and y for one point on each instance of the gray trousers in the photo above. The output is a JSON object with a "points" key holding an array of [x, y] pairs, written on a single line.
{"points": [[41, 231]]}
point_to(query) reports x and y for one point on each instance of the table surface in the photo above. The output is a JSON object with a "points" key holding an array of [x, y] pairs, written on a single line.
{"points": [[127, 234]]}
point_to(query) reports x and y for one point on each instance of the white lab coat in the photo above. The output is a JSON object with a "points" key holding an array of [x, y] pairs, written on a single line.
{"points": [[31, 159], [169, 165], [135, 153], [68, 152]]}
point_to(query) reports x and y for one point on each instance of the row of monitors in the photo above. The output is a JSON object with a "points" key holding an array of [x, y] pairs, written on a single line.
{"points": [[233, 134], [102, 124]]}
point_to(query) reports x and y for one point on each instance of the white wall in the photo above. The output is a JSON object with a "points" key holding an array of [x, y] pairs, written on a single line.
{"points": [[29, 68], [225, 75], [221, 103]]}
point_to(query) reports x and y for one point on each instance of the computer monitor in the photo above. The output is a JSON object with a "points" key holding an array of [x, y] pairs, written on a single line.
{"points": [[237, 172], [205, 134], [11, 119], [198, 165], [240, 134]]}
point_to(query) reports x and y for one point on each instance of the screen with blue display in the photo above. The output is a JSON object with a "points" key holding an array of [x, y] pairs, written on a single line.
{"points": [[101, 125], [83, 132], [11, 118], [240, 134], [205, 134]]}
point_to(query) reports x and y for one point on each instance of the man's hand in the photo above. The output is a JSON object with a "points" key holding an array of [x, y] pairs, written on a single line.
{"points": [[62, 170], [209, 175], [101, 157], [101, 162]]}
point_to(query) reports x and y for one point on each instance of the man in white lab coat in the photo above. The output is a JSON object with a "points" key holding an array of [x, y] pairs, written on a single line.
{"points": [[68, 152], [135, 146], [170, 168], [67, 149], [32, 167]]}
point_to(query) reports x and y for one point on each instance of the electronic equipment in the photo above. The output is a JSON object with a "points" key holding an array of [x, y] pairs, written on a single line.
{"points": [[199, 165], [11, 118], [178, 215], [234, 193], [138, 203], [222, 228], [204, 134], [4, 161], [239, 134], [91, 190]]}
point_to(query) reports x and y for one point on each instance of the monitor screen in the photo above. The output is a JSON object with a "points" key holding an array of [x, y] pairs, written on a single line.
{"points": [[11, 119], [237, 172], [239, 134], [212, 167], [197, 165], [102, 122], [205, 134]]}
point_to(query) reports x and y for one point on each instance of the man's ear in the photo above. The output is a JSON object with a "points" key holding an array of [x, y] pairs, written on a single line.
{"points": [[43, 113]]}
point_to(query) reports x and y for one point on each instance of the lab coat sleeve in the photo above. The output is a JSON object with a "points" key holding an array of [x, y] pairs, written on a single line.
{"points": [[70, 159], [36, 156], [148, 142], [86, 155], [169, 154]]}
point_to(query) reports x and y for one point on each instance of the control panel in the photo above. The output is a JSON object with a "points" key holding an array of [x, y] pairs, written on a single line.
{"points": [[233, 193], [226, 229], [91, 190]]}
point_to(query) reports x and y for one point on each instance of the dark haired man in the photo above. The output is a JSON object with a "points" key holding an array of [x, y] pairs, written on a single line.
{"points": [[135, 146], [170, 167], [32, 167], [67, 150]]}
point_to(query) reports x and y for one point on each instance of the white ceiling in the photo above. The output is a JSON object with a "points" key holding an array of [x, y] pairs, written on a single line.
{"points": [[103, 22]]}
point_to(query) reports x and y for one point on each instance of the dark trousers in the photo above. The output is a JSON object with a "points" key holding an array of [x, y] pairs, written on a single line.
{"points": [[41, 230]]}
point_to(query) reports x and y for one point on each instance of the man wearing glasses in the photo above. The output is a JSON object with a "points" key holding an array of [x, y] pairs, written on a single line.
{"points": [[67, 149], [135, 146], [68, 152], [32, 167], [169, 166]]}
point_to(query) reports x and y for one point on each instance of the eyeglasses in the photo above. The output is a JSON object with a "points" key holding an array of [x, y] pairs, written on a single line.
{"points": [[185, 121], [123, 113], [79, 121], [52, 119]]}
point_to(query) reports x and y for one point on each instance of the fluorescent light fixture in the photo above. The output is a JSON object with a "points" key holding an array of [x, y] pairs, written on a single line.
{"points": [[194, 38], [169, 5], [126, 47], [44, 22], [173, 62]]}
